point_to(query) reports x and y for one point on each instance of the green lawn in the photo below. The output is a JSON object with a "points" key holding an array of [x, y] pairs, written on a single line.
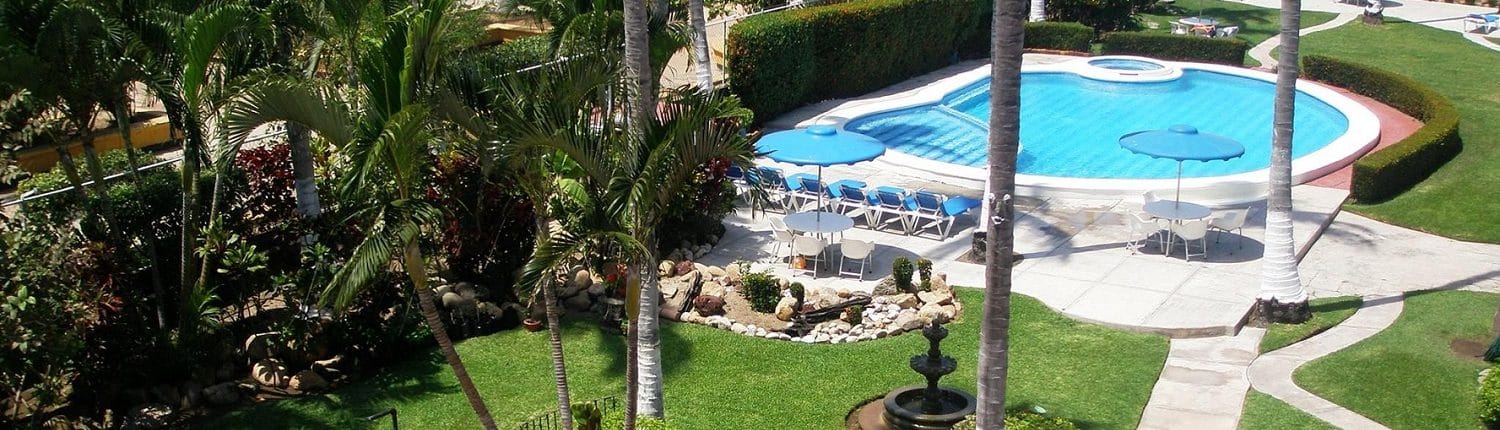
{"points": [[1457, 201], [1406, 377], [1256, 23], [1263, 412], [1327, 312], [716, 379]]}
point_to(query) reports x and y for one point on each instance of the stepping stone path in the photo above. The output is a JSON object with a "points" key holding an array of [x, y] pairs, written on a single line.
{"points": [[1272, 373], [1203, 383]]}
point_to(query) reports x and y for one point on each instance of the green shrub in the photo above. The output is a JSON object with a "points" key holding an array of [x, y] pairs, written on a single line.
{"points": [[779, 61], [1218, 50], [1062, 36], [854, 315], [616, 421], [924, 272], [587, 416], [1023, 420], [1489, 398], [1101, 15], [901, 271], [524, 52], [1390, 171], [762, 291]]}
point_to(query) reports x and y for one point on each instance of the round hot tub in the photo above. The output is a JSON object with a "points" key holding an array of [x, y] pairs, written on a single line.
{"points": [[1120, 68]]}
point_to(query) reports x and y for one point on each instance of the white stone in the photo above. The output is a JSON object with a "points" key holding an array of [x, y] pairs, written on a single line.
{"points": [[821, 338], [737, 328]]}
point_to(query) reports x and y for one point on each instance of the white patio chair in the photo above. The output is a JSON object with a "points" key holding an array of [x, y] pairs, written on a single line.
{"points": [[782, 235], [857, 250], [1179, 28], [1195, 230], [1230, 220], [1143, 227], [809, 248]]}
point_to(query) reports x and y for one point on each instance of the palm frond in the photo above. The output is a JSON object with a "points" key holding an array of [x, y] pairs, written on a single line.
{"points": [[317, 107]]}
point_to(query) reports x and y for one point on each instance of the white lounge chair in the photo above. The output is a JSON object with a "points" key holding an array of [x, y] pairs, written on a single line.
{"points": [[1481, 22], [857, 250], [853, 201], [810, 249], [1195, 230], [1230, 220], [1229, 31]]}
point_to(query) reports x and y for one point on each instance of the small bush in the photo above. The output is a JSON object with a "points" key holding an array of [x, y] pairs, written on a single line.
{"points": [[854, 315], [1062, 36], [901, 271], [924, 272], [762, 291], [1023, 420], [1385, 173], [1489, 398], [616, 421], [1218, 50]]}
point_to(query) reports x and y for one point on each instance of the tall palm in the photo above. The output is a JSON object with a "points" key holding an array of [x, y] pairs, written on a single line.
{"points": [[1282, 298], [1038, 10], [640, 100], [1005, 140], [702, 64], [383, 128]]}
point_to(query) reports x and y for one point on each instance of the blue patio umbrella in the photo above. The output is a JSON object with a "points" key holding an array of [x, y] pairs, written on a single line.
{"points": [[1182, 143], [819, 145]]}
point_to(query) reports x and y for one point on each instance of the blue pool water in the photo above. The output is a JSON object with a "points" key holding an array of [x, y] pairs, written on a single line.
{"points": [[1071, 126], [1124, 64]]}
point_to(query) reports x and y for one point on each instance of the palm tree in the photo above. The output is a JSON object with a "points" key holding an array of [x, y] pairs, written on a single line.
{"points": [[1038, 10], [702, 64], [1282, 298], [1005, 140], [383, 128], [638, 110]]}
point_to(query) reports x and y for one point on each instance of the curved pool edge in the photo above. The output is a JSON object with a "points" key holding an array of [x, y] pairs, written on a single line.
{"points": [[1362, 135]]}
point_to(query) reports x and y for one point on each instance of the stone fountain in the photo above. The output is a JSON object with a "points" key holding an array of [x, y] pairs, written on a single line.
{"points": [[922, 407]]}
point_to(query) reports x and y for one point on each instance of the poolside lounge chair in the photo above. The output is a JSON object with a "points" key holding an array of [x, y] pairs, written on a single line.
{"points": [[775, 185], [852, 198], [807, 190], [1229, 31], [938, 210], [857, 250], [811, 250], [1195, 230], [1230, 220], [1486, 22], [888, 202]]}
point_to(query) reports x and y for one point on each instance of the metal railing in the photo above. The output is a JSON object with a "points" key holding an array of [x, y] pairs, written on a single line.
{"points": [[551, 421], [277, 131]]}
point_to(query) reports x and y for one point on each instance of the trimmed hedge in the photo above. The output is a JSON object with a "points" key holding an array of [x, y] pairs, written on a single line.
{"points": [[1390, 171], [1219, 50], [1061, 36], [779, 61], [1488, 398]]}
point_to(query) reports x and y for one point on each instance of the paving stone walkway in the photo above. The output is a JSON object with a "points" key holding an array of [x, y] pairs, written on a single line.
{"points": [[1445, 16], [1202, 386], [1262, 52], [1271, 373]]}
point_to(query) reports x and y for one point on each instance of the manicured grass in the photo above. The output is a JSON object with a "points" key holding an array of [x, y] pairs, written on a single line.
{"points": [[1407, 377], [1457, 201], [1263, 412], [716, 379], [1327, 312], [1256, 23]]}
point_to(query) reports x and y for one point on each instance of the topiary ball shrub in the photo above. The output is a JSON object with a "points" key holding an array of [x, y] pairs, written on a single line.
{"points": [[1489, 399], [901, 270], [762, 291]]}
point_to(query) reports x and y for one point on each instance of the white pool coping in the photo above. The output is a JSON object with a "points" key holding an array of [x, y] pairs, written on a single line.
{"points": [[1226, 190]]}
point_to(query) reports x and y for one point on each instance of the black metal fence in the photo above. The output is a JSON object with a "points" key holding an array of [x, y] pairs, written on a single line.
{"points": [[551, 421]]}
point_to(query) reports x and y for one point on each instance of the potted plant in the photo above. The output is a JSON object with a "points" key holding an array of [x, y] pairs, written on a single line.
{"points": [[530, 322]]}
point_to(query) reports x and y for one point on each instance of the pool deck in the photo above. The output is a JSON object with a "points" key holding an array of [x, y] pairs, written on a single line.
{"points": [[1076, 261]]}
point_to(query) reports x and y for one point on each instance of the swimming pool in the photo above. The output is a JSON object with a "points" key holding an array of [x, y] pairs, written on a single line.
{"points": [[1071, 123]]}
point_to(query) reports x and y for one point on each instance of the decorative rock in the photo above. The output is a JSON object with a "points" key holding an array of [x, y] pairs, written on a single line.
{"points": [[732, 273], [952, 311], [691, 317], [839, 338], [668, 290], [821, 338], [909, 322], [737, 328], [905, 301], [716, 271], [886, 287], [335, 365], [578, 303], [227, 393], [262, 345], [683, 267], [709, 305], [784, 284], [595, 288], [667, 269], [453, 301], [838, 327], [882, 333], [582, 279], [445, 289], [843, 293], [700, 267], [307, 381], [269, 372], [712, 288], [784, 308], [148, 416], [759, 331], [770, 335], [934, 313], [934, 297]]}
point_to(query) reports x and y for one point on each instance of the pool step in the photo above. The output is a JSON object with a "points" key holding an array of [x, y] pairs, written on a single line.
{"points": [[962, 117]]}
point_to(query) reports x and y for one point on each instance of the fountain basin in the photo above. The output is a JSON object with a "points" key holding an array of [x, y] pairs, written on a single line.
{"points": [[902, 409]]}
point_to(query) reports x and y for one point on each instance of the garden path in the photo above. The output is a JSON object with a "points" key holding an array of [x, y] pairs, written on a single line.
{"points": [[1446, 16], [1272, 373], [1202, 385], [1262, 52]]}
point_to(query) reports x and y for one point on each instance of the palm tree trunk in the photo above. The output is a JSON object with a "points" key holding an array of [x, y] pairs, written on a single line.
{"points": [[648, 342], [191, 148], [300, 143], [1038, 10], [122, 119], [702, 64], [632, 371], [70, 169], [1005, 138], [639, 98], [416, 268], [1281, 287], [554, 333]]}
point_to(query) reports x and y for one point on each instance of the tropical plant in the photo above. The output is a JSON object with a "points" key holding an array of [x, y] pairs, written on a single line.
{"points": [[1282, 298], [382, 127], [762, 290], [1005, 139], [901, 270]]}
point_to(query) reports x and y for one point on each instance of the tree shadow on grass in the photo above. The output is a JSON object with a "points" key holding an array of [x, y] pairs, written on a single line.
{"points": [[675, 348]]}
